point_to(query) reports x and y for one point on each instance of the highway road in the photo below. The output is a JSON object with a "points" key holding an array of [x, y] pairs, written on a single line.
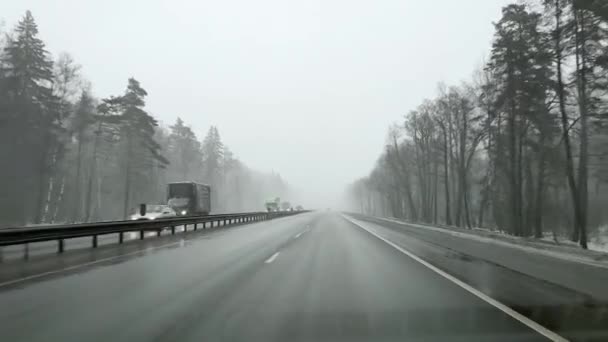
{"points": [[309, 277]]}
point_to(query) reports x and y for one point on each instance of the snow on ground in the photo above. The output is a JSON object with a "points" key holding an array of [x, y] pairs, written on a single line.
{"points": [[525, 244], [599, 242]]}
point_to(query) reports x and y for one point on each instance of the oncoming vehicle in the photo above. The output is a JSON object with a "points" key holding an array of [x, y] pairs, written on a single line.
{"points": [[189, 198], [153, 211]]}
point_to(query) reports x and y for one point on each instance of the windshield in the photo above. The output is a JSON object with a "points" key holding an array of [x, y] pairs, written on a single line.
{"points": [[180, 190], [155, 208], [179, 202], [313, 170]]}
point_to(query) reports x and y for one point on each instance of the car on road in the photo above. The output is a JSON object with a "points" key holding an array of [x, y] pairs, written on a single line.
{"points": [[154, 211]]}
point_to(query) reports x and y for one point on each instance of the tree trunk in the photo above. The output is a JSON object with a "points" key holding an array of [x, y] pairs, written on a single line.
{"points": [[448, 217], [482, 206], [584, 135], [529, 204], [93, 174], [462, 174], [422, 177], [42, 177], [76, 205], [565, 129], [467, 215], [521, 167], [127, 193], [435, 188], [51, 188], [453, 171], [514, 200], [540, 191], [406, 181], [59, 199]]}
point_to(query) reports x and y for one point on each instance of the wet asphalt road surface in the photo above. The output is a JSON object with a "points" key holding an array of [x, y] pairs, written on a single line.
{"points": [[310, 277]]}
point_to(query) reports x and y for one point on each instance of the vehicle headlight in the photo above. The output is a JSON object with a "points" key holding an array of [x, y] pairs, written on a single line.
{"points": [[184, 212], [152, 218]]}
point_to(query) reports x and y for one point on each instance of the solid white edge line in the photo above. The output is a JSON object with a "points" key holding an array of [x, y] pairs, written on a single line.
{"points": [[502, 307], [44, 274], [271, 259]]}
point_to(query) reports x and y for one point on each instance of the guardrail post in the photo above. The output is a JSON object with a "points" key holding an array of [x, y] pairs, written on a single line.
{"points": [[185, 227], [195, 224], [204, 225], [60, 246], [158, 232], [172, 230], [94, 241], [121, 237], [141, 234]]}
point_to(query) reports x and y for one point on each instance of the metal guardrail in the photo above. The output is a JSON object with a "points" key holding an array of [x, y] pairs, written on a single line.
{"points": [[25, 235]]}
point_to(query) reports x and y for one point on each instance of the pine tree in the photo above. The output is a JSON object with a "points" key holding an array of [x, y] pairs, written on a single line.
{"points": [[84, 118], [30, 127], [141, 151], [521, 61], [213, 154], [184, 152]]}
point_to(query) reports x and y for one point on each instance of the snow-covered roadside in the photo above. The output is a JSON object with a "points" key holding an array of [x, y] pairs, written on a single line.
{"points": [[599, 242], [547, 248]]}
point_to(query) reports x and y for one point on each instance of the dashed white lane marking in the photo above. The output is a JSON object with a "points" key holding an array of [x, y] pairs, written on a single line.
{"points": [[298, 235], [44, 274], [500, 306], [271, 259]]}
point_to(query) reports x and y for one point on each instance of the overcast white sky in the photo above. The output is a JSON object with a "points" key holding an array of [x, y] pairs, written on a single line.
{"points": [[304, 88]]}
